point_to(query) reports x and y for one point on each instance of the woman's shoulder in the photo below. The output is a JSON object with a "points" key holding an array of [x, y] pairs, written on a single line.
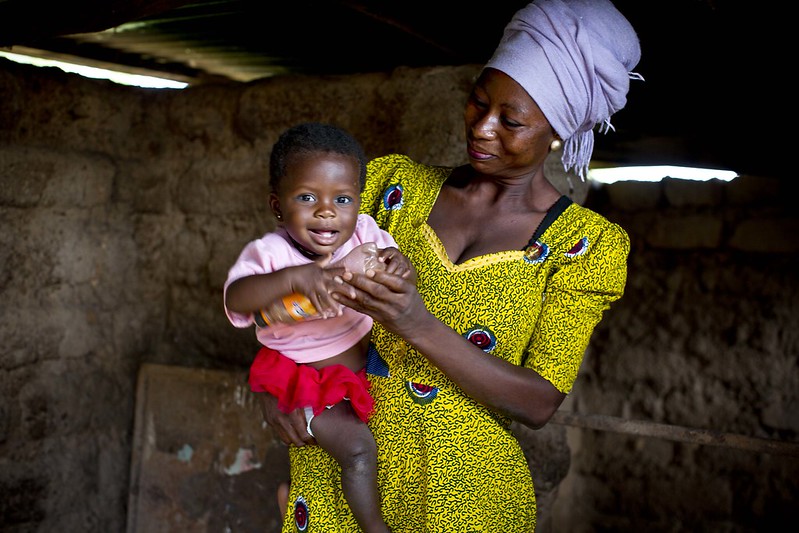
{"points": [[401, 164], [398, 187], [588, 215], [390, 161], [580, 222], [394, 176]]}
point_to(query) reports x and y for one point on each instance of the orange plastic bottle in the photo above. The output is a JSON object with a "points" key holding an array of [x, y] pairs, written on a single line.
{"points": [[291, 308]]}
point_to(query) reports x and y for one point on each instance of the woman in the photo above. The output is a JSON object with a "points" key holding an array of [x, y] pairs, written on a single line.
{"points": [[512, 280]]}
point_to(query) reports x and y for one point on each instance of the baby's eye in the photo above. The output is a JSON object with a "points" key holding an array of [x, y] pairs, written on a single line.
{"points": [[306, 197], [344, 199]]}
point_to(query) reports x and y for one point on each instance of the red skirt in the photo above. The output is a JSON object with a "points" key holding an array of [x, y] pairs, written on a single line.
{"points": [[299, 386]]}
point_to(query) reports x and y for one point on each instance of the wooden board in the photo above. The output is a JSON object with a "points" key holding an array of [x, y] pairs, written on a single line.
{"points": [[202, 460]]}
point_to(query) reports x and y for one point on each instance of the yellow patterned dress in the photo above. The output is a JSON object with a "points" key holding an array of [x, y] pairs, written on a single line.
{"points": [[447, 463]]}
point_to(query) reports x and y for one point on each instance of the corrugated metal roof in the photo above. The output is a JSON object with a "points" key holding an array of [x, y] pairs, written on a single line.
{"points": [[706, 62], [248, 39]]}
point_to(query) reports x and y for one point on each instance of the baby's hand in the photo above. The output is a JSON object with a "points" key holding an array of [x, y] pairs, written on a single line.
{"points": [[360, 259], [313, 281]]}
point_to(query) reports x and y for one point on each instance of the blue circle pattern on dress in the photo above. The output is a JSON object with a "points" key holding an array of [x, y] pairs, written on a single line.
{"points": [[536, 252], [578, 249], [421, 394], [482, 337], [301, 514], [393, 197]]}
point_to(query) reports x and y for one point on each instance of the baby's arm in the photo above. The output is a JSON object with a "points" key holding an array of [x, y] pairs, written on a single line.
{"points": [[251, 293]]}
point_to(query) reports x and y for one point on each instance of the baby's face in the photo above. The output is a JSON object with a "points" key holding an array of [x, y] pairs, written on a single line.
{"points": [[319, 200]]}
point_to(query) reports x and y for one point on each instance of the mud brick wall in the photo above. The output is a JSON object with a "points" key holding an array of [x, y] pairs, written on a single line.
{"points": [[122, 208]]}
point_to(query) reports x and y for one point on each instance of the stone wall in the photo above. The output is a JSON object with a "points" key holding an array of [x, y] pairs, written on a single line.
{"points": [[123, 208]]}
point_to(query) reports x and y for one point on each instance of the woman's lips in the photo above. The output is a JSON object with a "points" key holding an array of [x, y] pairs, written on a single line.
{"points": [[476, 154]]}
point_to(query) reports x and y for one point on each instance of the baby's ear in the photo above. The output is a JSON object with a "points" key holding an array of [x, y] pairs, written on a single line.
{"points": [[274, 205]]}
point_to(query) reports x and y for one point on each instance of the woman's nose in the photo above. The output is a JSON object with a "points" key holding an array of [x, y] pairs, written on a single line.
{"points": [[485, 127]]}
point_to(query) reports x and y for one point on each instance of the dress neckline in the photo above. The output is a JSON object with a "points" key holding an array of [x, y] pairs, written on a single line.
{"points": [[552, 214]]}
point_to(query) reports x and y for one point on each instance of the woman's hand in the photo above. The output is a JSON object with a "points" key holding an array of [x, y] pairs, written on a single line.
{"points": [[290, 428], [388, 297], [396, 263]]}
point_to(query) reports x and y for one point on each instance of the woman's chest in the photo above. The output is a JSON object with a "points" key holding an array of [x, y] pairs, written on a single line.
{"points": [[466, 234], [492, 285]]}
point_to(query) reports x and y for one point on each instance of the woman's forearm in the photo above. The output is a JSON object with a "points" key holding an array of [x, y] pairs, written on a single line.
{"points": [[514, 391], [517, 392]]}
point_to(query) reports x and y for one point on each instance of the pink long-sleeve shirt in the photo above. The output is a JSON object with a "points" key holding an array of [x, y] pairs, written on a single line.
{"points": [[312, 340]]}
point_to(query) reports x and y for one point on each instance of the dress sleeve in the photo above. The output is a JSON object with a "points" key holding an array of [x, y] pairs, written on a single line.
{"points": [[577, 295], [376, 196]]}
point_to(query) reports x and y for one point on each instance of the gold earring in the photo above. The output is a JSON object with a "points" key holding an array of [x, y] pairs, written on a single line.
{"points": [[278, 216], [556, 145]]}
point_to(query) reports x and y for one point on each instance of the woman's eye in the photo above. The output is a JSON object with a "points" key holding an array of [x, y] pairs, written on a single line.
{"points": [[476, 102], [510, 123]]}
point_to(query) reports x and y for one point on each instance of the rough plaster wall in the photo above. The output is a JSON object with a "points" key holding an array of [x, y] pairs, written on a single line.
{"points": [[706, 337], [122, 209]]}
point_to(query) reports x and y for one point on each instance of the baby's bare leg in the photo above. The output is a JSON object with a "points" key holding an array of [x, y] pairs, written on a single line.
{"points": [[348, 440]]}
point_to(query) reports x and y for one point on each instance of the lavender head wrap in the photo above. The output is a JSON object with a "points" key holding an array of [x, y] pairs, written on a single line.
{"points": [[574, 58]]}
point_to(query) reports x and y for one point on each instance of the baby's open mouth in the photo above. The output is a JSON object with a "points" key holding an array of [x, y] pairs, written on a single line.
{"points": [[324, 237]]}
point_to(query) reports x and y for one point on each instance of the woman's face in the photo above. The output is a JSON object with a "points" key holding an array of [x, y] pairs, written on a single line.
{"points": [[507, 135], [318, 201]]}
